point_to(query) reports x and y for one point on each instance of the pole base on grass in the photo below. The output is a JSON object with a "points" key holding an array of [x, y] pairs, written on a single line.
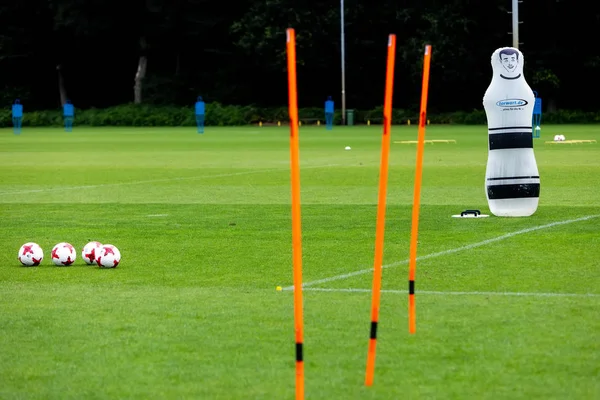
{"points": [[470, 214]]}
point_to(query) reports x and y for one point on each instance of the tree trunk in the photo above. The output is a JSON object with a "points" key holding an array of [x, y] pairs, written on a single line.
{"points": [[62, 90], [141, 72]]}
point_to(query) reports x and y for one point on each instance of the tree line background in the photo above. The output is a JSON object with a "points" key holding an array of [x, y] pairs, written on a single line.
{"points": [[101, 53]]}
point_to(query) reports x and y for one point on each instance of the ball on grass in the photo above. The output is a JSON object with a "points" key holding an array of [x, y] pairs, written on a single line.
{"points": [[108, 256], [31, 254], [88, 253]]}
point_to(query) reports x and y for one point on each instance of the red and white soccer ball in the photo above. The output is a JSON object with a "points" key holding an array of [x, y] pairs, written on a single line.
{"points": [[108, 256], [89, 252], [63, 254], [31, 254]]}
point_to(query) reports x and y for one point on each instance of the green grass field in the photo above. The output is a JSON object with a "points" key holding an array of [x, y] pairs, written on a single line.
{"points": [[507, 308]]}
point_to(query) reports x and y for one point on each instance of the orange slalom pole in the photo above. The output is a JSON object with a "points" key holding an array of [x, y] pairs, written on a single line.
{"points": [[381, 207], [414, 232], [296, 221]]}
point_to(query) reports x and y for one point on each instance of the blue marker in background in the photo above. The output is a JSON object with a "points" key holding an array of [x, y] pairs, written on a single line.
{"points": [[17, 116], [537, 116], [329, 113], [68, 116], [200, 112]]}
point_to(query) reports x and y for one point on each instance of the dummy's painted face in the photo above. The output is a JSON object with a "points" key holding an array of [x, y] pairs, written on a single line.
{"points": [[509, 62]]}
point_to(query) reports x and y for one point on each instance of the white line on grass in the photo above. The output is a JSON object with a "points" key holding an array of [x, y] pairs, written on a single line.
{"points": [[445, 252], [475, 293], [185, 178]]}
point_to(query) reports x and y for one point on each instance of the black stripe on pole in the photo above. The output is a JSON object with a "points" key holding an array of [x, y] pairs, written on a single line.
{"points": [[511, 140], [299, 355], [411, 287], [514, 177], [373, 334], [498, 192]]}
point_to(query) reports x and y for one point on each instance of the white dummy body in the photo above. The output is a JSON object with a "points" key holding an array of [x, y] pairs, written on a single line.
{"points": [[512, 181]]}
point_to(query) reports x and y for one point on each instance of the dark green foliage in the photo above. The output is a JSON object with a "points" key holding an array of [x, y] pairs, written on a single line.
{"points": [[234, 53], [227, 115]]}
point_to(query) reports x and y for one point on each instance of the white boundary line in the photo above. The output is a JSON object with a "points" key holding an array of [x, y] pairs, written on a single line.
{"points": [[445, 252], [186, 178], [474, 293]]}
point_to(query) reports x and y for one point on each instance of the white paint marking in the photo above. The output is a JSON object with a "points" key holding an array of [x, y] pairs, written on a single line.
{"points": [[446, 252], [475, 293], [186, 178]]}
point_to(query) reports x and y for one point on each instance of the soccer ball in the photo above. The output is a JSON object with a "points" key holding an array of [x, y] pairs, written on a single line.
{"points": [[63, 254], [89, 252], [108, 256], [31, 254]]}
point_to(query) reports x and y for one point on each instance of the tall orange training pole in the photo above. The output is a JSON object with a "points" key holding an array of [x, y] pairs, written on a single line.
{"points": [[381, 205], [414, 232], [296, 222]]}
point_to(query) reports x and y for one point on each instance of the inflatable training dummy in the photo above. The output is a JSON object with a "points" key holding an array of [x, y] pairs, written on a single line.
{"points": [[512, 180]]}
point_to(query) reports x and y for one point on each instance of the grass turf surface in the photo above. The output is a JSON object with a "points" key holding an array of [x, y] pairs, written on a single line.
{"points": [[506, 307]]}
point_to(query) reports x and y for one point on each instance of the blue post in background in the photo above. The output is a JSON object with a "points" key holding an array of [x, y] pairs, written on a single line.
{"points": [[329, 113], [537, 116], [68, 115], [200, 112], [17, 116]]}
